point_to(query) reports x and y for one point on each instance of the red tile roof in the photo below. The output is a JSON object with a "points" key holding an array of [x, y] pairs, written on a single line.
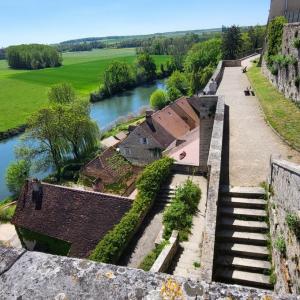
{"points": [[79, 217]]}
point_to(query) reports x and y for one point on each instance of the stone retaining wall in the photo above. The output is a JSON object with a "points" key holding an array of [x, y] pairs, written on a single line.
{"points": [[285, 182], [31, 275], [164, 260], [285, 80], [214, 170]]}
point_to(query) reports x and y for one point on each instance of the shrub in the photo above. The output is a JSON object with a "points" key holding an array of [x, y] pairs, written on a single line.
{"points": [[6, 214], [179, 215], [293, 222], [158, 99], [148, 185], [296, 43], [149, 260], [279, 244]]}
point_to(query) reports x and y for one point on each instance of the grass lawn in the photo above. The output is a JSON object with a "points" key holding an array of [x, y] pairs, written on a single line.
{"points": [[282, 114], [24, 91]]}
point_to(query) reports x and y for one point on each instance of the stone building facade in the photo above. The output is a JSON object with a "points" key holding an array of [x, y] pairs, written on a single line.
{"points": [[288, 8], [286, 79], [285, 200]]}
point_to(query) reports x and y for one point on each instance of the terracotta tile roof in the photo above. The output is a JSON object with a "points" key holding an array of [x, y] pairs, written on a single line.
{"points": [[79, 217], [122, 135]]}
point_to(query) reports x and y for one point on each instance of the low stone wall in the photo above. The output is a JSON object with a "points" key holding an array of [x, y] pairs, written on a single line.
{"points": [[31, 275], [214, 172], [285, 182], [285, 80], [164, 260]]}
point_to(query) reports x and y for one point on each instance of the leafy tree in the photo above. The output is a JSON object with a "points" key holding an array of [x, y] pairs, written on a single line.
{"points": [[61, 93], [118, 77], [146, 67], [232, 42], [201, 55], [158, 99], [257, 36], [177, 85], [16, 174], [33, 56]]}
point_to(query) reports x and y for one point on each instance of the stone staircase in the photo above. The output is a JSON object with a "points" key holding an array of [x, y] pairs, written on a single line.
{"points": [[166, 194], [242, 255]]}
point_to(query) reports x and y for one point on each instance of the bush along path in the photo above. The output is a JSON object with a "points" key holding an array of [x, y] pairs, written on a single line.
{"points": [[110, 248]]}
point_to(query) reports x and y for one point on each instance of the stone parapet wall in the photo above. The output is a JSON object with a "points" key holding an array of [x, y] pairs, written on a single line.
{"points": [[285, 80], [165, 258], [285, 182], [214, 172], [31, 275]]}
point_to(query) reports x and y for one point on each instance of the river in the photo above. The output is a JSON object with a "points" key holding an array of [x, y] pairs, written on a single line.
{"points": [[105, 113]]}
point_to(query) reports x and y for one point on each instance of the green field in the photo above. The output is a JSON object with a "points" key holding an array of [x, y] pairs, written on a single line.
{"points": [[23, 92]]}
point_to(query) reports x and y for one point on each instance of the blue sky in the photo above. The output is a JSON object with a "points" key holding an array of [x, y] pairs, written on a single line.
{"points": [[51, 21]]}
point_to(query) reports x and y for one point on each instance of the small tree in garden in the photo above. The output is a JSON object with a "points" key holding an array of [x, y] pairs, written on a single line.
{"points": [[158, 99], [61, 94]]}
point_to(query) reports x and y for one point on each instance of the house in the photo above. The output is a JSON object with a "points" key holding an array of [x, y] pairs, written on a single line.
{"points": [[110, 167], [147, 141], [80, 218], [287, 8]]}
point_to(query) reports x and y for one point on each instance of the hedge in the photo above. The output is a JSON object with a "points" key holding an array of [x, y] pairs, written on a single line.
{"points": [[110, 248]]}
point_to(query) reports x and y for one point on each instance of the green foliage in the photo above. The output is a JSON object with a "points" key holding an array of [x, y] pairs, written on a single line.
{"points": [[45, 243], [279, 244], [6, 214], [146, 68], [33, 56], [274, 35], [149, 260], [273, 277], [293, 222], [118, 77], [177, 85], [148, 185], [296, 43], [159, 99], [232, 42], [200, 57], [179, 215], [196, 264], [16, 174], [61, 93], [283, 61]]}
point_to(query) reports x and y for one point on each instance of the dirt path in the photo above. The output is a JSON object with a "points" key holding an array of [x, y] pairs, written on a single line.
{"points": [[248, 140]]}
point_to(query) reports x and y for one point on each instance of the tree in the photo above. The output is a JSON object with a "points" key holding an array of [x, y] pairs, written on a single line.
{"points": [[146, 68], [16, 174], [158, 99], [118, 77], [61, 93], [232, 42], [201, 55], [177, 85]]}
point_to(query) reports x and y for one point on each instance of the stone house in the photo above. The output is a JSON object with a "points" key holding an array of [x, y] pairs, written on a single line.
{"points": [[80, 218], [172, 126], [288, 8]]}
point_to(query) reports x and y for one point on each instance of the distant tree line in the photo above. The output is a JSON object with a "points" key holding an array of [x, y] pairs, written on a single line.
{"points": [[33, 56], [2, 53], [82, 46]]}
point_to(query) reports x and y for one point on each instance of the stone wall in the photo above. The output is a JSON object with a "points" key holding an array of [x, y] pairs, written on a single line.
{"points": [[214, 170], [164, 260], [31, 275], [285, 80], [285, 182]]}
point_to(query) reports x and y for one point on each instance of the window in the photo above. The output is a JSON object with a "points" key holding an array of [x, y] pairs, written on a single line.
{"points": [[127, 151], [144, 141]]}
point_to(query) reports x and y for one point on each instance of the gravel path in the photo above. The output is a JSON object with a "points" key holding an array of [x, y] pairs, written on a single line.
{"points": [[248, 141]]}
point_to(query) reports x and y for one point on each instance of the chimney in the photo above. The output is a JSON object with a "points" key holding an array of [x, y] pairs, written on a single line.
{"points": [[149, 121], [37, 193], [131, 128]]}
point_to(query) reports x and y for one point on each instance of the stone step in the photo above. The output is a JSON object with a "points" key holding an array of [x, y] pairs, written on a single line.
{"points": [[243, 202], [241, 225], [243, 192], [243, 212], [252, 251], [244, 264], [242, 237], [245, 278]]}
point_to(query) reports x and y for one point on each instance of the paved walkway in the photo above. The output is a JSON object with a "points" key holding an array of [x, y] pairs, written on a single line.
{"points": [[248, 141], [9, 236], [190, 251]]}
